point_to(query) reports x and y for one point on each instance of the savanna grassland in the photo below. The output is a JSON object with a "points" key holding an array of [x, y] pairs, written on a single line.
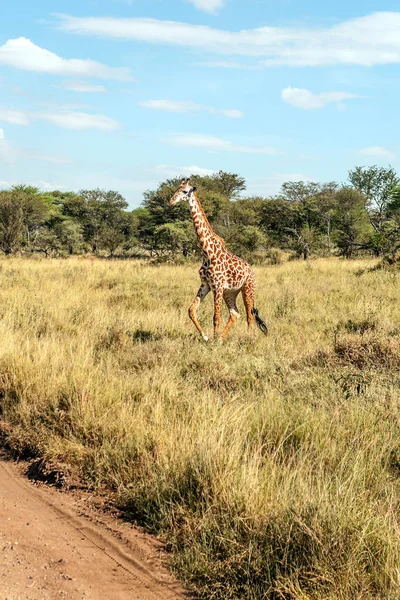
{"points": [[271, 466]]}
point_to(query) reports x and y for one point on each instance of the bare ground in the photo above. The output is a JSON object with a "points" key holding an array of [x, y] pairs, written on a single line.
{"points": [[53, 545]]}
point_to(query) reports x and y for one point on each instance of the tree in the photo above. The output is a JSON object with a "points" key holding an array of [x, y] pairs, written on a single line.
{"points": [[229, 184], [300, 217], [377, 184], [29, 207], [99, 213], [47, 242], [246, 211], [214, 201], [110, 238], [301, 190], [69, 233], [391, 229], [37, 210], [175, 238], [351, 221], [215, 192], [11, 223], [279, 219], [249, 242], [58, 238], [394, 201]]}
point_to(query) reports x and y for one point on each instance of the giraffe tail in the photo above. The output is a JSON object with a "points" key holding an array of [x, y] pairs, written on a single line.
{"points": [[261, 324]]}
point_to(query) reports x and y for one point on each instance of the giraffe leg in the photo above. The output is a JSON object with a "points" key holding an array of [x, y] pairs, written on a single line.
{"points": [[230, 300], [201, 294], [249, 293], [218, 295]]}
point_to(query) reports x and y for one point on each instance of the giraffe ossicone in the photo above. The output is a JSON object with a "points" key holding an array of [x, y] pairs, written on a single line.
{"points": [[222, 272]]}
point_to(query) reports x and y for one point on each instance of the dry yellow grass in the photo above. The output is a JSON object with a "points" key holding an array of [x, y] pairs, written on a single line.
{"points": [[270, 465]]}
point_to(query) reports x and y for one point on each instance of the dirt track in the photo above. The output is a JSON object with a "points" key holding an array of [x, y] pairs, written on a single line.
{"points": [[50, 550]]}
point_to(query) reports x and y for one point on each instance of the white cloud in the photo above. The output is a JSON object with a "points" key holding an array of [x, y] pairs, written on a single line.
{"points": [[210, 6], [1, 134], [225, 64], [67, 119], [215, 144], [78, 120], [307, 100], [378, 152], [83, 87], [196, 171], [184, 107], [23, 54], [369, 40], [170, 171], [14, 117]]}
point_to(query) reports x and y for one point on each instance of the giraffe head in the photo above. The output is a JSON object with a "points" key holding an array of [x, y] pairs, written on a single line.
{"points": [[183, 192]]}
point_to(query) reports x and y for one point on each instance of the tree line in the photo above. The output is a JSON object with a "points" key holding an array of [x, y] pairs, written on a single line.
{"points": [[359, 217]]}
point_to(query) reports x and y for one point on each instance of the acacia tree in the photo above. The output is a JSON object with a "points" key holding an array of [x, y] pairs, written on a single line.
{"points": [[58, 238], [175, 238], [300, 217], [102, 216], [11, 223], [394, 201], [300, 191], [110, 238], [392, 233], [377, 184], [26, 211], [215, 191], [248, 241], [246, 211], [351, 221], [38, 209], [229, 184], [279, 218]]}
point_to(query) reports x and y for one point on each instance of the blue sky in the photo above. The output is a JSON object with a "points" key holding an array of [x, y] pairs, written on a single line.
{"points": [[121, 94]]}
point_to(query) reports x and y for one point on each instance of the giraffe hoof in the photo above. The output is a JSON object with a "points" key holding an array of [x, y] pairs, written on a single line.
{"points": [[205, 338]]}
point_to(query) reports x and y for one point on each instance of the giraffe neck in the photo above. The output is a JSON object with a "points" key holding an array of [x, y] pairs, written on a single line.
{"points": [[208, 239]]}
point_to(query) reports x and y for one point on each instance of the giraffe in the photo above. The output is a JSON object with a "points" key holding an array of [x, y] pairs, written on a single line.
{"points": [[222, 272]]}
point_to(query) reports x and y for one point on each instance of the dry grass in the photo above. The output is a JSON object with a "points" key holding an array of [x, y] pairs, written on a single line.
{"points": [[270, 465]]}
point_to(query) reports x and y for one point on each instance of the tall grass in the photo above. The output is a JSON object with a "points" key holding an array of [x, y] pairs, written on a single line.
{"points": [[271, 466]]}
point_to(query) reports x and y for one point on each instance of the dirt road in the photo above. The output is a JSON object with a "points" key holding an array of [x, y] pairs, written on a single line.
{"points": [[50, 550]]}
